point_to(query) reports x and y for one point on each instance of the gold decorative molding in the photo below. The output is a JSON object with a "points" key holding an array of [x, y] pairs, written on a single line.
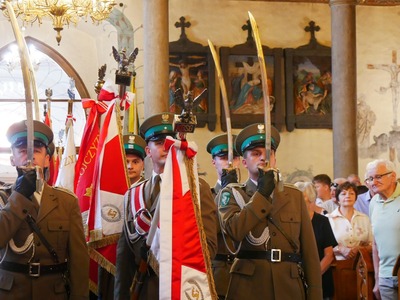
{"points": [[359, 2]]}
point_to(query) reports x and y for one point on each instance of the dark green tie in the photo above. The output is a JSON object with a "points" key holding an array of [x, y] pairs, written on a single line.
{"points": [[156, 188]]}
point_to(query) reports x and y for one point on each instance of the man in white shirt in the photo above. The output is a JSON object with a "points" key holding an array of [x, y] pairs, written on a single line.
{"points": [[384, 212]]}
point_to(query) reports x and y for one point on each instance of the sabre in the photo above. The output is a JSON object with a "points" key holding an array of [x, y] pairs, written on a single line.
{"points": [[267, 106], [225, 103], [28, 78], [265, 89]]}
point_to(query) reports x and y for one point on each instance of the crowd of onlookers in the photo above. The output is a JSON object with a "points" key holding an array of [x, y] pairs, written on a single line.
{"points": [[358, 215]]}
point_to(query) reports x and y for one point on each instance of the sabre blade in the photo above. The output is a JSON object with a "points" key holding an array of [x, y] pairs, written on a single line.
{"points": [[265, 89], [224, 101], [24, 57]]}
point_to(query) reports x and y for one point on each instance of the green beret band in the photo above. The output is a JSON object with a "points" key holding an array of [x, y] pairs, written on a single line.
{"points": [[219, 148], [247, 142], [158, 129], [259, 137], [24, 134], [134, 147]]}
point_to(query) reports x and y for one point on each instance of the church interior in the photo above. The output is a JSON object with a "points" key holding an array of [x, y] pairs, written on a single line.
{"points": [[332, 68]]}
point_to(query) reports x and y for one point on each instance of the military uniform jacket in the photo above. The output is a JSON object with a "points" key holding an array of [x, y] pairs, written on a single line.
{"points": [[259, 278], [128, 251], [221, 266], [60, 221]]}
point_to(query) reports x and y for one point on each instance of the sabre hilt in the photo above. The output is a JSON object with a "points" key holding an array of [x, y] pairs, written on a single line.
{"points": [[39, 174], [230, 175], [277, 175]]}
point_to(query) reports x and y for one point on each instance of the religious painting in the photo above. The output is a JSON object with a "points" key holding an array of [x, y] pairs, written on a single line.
{"points": [[192, 70], [242, 74], [190, 74], [308, 85]]}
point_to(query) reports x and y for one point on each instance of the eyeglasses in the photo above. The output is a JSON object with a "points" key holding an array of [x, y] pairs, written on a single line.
{"points": [[377, 177], [334, 185]]}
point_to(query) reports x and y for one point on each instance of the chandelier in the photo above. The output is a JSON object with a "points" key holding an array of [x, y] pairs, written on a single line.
{"points": [[62, 12]]}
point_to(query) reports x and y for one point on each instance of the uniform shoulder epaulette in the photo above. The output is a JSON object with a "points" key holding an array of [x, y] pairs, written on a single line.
{"points": [[65, 190]]}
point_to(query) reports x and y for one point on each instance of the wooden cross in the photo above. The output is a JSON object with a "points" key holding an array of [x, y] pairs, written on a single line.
{"points": [[394, 86], [247, 27], [182, 24], [312, 29]]}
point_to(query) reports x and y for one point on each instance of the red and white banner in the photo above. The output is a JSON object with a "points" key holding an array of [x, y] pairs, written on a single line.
{"points": [[178, 246], [110, 181], [55, 158], [66, 173], [86, 162]]}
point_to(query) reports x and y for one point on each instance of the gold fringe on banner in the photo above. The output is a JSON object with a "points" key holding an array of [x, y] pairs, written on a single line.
{"points": [[102, 261], [105, 241], [195, 198], [93, 287]]}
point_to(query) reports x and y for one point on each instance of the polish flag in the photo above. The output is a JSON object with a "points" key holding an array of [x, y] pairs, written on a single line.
{"points": [[179, 248], [110, 181]]}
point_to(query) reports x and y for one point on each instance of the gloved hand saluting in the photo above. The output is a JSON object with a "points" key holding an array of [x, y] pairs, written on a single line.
{"points": [[266, 183], [228, 176], [26, 182]]}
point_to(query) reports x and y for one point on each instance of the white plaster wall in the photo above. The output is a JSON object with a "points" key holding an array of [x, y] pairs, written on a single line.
{"points": [[280, 24]]}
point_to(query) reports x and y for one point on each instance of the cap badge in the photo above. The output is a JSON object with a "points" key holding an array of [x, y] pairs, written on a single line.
{"points": [[260, 128], [131, 139], [165, 118]]}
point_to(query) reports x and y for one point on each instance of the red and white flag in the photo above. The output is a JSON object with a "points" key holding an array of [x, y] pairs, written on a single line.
{"points": [[110, 181], [55, 158], [178, 247], [66, 172], [84, 168]]}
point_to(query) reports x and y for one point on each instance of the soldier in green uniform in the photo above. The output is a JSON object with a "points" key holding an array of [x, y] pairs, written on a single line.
{"points": [[270, 226], [134, 146], [154, 130], [53, 260], [222, 262]]}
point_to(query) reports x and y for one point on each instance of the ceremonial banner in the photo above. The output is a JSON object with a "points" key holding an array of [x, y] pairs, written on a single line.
{"points": [[66, 172], [110, 181], [180, 247], [85, 164], [55, 158], [101, 156]]}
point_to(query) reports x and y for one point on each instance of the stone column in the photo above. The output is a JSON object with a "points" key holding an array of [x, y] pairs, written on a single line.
{"points": [[344, 87], [156, 56]]}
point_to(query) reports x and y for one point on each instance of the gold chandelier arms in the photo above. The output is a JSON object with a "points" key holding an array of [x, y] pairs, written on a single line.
{"points": [[61, 12]]}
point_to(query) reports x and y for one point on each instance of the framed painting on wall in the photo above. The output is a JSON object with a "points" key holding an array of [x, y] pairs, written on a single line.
{"points": [[241, 71], [308, 85], [191, 68]]}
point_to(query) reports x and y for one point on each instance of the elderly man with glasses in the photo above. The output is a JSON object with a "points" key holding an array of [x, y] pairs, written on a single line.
{"points": [[384, 212]]}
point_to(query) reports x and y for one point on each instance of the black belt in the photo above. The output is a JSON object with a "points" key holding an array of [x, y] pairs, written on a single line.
{"points": [[33, 269], [273, 255], [224, 257]]}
